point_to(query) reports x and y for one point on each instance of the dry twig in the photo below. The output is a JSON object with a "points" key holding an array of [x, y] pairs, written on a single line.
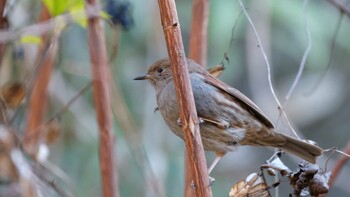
{"points": [[341, 7], [305, 55]]}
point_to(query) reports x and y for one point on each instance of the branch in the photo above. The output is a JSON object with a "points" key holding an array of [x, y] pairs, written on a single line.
{"points": [[340, 164], [341, 7], [305, 55], [188, 115], [3, 25], [101, 94], [197, 52], [38, 96], [199, 29]]}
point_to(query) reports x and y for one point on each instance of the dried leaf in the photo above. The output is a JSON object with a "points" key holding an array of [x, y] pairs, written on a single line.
{"points": [[253, 186], [12, 94], [311, 176], [52, 130], [217, 70], [319, 184], [278, 165]]}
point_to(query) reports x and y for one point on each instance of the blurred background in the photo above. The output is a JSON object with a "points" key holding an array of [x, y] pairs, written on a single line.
{"points": [[150, 159]]}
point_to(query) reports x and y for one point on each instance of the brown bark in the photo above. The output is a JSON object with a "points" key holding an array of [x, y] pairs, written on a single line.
{"points": [[199, 29], [38, 97], [197, 52], [339, 166], [188, 115], [101, 94], [3, 25]]}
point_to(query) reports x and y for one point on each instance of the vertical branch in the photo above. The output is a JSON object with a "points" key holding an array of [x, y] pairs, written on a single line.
{"points": [[339, 166], [198, 36], [188, 114], [3, 25], [38, 96], [101, 94], [197, 52]]}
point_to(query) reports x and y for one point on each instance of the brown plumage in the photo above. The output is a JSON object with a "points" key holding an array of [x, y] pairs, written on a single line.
{"points": [[228, 118]]}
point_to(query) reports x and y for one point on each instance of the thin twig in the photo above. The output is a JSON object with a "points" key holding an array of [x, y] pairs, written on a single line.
{"points": [[225, 57], [331, 53], [267, 65], [305, 55], [43, 27], [70, 102], [341, 7]]}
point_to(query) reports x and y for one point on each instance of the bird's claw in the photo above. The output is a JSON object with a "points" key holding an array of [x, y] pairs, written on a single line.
{"points": [[179, 122], [220, 124], [200, 120], [193, 186], [211, 182]]}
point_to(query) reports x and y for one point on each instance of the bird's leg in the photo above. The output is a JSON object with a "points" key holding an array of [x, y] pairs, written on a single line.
{"points": [[219, 155], [221, 124]]}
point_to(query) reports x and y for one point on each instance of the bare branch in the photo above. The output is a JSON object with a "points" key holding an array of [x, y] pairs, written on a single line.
{"points": [[38, 95], [3, 25], [188, 114], [199, 29], [197, 52], [340, 164], [341, 7], [305, 55], [101, 94]]}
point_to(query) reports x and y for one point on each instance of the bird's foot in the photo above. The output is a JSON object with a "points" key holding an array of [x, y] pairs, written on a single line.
{"points": [[179, 122], [211, 182], [220, 124], [193, 185]]}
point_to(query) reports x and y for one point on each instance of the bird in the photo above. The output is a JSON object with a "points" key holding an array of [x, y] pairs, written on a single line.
{"points": [[227, 118]]}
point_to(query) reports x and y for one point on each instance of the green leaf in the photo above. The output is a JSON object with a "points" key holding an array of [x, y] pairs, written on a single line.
{"points": [[30, 39], [57, 7], [76, 8]]}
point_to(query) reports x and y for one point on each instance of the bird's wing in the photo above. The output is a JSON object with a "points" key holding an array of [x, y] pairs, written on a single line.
{"points": [[244, 101]]}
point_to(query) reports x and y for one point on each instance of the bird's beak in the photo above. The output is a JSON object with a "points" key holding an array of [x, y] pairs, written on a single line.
{"points": [[143, 77]]}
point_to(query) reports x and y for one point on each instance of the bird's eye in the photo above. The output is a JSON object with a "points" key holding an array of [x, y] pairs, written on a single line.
{"points": [[160, 70]]}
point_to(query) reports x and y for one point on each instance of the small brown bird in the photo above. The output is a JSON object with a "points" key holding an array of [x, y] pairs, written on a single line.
{"points": [[227, 117]]}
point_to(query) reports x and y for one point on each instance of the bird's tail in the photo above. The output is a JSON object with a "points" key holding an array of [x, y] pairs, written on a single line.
{"points": [[302, 149]]}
